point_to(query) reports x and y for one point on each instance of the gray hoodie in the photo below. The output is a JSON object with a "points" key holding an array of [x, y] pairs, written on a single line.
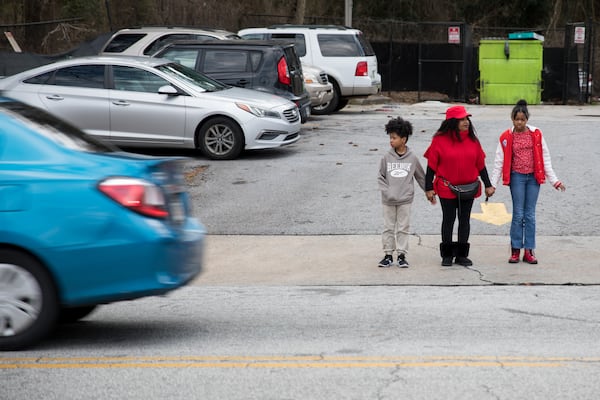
{"points": [[395, 178]]}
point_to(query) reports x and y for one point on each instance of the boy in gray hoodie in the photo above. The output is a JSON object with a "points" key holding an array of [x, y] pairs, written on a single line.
{"points": [[398, 170]]}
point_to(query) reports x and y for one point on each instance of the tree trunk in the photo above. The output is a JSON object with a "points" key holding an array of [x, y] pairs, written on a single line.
{"points": [[300, 10]]}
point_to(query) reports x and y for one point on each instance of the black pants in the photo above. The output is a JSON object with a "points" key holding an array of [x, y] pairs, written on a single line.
{"points": [[450, 209]]}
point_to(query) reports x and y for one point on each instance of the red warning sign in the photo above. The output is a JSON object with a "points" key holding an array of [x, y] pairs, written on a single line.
{"points": [[454, 34]]}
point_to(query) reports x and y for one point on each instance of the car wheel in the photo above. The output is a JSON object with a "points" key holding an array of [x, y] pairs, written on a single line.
{"points": [[341, 104], [221, 139], [328, 108], [74, 314], [28, 300]]}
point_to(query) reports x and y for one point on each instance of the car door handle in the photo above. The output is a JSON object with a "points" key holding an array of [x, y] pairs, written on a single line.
{"points": [[242, 82], [121, 103], [55, 97]]}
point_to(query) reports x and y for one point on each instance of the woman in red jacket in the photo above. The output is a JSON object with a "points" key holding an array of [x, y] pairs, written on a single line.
{"points": [[455, 157], [523, 162]]}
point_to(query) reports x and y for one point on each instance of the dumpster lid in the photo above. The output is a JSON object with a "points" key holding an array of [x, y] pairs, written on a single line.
{"points": [[526, 35]]}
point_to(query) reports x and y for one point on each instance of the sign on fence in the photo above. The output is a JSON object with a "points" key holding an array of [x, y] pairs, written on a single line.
{"points": [[579, 35], [454, 34]]}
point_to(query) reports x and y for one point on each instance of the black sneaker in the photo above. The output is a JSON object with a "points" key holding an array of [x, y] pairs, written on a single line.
{"points": [[387, 261], [402, 263]]}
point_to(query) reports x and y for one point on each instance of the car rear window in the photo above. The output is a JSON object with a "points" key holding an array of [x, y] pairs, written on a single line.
{"points": [[296, 38], [166, 39], [335, 45], [122, 42], [368, 50], [230, 61], [41, 79], [88, 76]]}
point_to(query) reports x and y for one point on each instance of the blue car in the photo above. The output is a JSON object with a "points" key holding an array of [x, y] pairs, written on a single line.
{"points": [[83, 223]]}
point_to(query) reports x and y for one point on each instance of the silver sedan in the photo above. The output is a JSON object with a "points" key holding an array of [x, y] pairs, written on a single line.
{"points": [[144, 102]]}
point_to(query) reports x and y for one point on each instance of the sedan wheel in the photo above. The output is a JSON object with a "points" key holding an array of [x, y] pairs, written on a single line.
{"points": [[28, 301], [221, 139]]}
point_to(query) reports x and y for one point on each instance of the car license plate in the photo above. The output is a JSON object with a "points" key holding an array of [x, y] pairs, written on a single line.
{"points": [[177, 210]]}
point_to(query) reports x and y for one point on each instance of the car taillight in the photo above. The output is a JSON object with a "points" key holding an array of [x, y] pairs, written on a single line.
{"points": [[362, 69], [137, 195], [282, 72]]}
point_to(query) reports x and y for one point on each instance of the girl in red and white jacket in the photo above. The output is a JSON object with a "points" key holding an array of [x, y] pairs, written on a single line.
{"points": [[523, 162]]}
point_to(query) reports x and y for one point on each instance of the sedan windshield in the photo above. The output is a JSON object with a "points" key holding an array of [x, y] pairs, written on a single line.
{"points": [[194, 77]]}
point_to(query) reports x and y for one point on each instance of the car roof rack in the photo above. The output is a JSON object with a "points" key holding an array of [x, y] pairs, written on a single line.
{"points": [[338, 27], [208, 29]]}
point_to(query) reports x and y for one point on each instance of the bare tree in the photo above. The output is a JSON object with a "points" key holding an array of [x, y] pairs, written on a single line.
{"points": [[300, 11]]}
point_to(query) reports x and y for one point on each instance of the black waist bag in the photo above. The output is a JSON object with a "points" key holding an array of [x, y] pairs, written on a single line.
{"points": [[465, 192]]}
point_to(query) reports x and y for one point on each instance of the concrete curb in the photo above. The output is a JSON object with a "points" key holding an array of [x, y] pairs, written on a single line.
{"points": [[239, 260]]}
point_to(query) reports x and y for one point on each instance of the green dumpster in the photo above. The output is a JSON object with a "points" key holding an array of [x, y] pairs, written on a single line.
{"points": [[510, 70]]}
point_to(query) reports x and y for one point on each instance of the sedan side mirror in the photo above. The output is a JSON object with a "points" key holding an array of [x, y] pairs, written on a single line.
{"points": [[168, 90]]}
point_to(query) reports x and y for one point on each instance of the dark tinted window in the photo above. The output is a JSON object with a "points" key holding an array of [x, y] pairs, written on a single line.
{"points": [[368, 50], [89, 76], [122, 42], [226, 61], [333, 45], [166, 39], [40, 79], [296, 38], [136, 80]]}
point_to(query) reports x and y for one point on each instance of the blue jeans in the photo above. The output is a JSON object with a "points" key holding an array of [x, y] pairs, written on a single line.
{"points": [[524, 191]]}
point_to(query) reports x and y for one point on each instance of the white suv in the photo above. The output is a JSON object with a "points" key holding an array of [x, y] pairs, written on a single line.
{"points": [[145, 41], [343, 53]]}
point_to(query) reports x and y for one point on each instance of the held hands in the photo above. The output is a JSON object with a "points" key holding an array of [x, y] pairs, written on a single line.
{"points": [[430, 194]]}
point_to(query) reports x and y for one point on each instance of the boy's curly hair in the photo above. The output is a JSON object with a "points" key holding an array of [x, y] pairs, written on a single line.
{"points": [[400, 126]]}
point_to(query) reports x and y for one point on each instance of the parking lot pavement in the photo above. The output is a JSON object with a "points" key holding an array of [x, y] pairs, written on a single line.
{"points": [[252, 253], [239, 260]]}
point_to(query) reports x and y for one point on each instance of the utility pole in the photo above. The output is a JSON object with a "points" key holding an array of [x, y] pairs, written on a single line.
{"points": [[348, 13]]}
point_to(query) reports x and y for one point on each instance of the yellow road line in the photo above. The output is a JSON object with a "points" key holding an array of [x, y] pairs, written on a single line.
{"points": [[282, 362]]}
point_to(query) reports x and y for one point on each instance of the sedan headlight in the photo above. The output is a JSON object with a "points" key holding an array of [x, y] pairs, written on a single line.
{"points": [[257, 111]]}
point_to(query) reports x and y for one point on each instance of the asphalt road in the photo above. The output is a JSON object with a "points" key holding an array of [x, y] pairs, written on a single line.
{"points": [[316, 342]]}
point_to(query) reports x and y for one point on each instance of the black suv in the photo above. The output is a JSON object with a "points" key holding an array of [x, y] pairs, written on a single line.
{"points": [[268, 66]]}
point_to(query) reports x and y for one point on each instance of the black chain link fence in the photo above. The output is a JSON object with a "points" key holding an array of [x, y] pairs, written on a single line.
{"points": [[417, 56], [426, 57]]}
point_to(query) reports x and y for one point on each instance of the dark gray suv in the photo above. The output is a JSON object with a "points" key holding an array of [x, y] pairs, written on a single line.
{"points": [[268, 66]]}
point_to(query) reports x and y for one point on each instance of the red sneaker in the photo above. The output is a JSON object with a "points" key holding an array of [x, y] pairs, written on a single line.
{"points": [[514, 256], [528, 257]]}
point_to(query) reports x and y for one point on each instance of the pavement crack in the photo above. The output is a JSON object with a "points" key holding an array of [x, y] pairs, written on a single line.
{"points": [[481, 278], [534, 314]]}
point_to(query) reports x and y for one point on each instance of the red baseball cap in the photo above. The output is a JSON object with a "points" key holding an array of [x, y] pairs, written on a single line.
{"points": [[458, 112]]}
